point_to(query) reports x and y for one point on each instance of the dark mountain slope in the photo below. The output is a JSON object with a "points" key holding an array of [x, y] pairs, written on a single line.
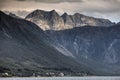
{"points": [[24, 49], [96, 47]]}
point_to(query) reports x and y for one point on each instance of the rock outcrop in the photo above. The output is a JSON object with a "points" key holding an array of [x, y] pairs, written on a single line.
{"points": [[51, 20]]}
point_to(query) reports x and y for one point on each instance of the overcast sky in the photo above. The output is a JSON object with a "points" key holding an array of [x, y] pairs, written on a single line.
{"points": [[109, 9]]}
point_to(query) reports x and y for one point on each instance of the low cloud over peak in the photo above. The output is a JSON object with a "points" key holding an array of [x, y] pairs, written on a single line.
{"points": [[109, 9]]}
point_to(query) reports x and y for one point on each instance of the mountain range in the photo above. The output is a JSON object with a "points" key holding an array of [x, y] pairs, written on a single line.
{"points": [[51, 20], [46, 42], [25, 49], [96, 47]]}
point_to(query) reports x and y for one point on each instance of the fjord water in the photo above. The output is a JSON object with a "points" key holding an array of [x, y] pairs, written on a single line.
{"points": [[63, 78]]}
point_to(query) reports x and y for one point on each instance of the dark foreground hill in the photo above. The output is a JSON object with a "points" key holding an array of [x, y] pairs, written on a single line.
{"points": [[24, 50]]}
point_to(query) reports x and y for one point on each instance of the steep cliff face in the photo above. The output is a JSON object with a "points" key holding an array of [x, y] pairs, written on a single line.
{"points": [[97, 47], [46, 20], [53, 21], [82, 20], [68, 21]]}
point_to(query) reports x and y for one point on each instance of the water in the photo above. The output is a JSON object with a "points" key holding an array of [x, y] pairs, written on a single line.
{"points": [[63, 78]]}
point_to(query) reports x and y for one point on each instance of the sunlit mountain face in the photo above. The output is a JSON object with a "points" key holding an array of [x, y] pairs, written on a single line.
{"points": [[53, 21], [59, 38]]}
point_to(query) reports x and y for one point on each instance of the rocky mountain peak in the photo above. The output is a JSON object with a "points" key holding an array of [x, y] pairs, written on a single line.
{"points": [[13, 15], [38, 11], [64, 15], [67, 20], [37, 14], [53, 11], [78, 15], [46, 19], [54, 14], [53, 21]]}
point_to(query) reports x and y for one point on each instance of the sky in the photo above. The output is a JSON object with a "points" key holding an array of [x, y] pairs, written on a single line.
{"points": [[108, 9]]}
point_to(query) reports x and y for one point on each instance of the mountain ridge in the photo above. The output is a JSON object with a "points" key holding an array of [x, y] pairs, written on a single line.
{"points": [[26, 48], [96, 47], [54, 21]]}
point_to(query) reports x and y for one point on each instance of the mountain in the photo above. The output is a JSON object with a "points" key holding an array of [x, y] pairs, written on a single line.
{"points": [[82, 20], [25, 49], [118, 23], [51, 20], [46, 20], [13, 15], [95, 47]]}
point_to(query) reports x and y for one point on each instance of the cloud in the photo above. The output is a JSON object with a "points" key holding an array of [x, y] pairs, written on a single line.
{"points": [[109, 9], [52, 1]]}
